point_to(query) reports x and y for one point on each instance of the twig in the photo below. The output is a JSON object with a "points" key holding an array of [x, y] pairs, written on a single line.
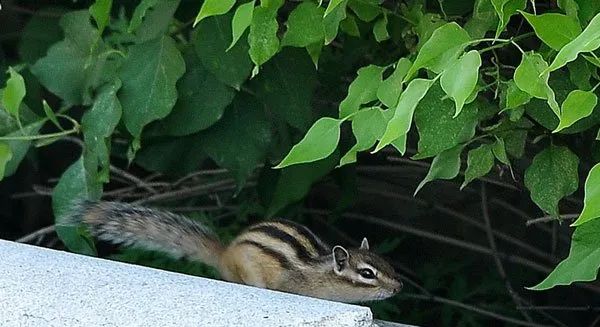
{"points": [[33, 12], [199, 173], [473, 308], [126, 190], [183, 193], [544, 219], [452, 241], [523, 215], [138, 182], [38, 233], [441, 238], [202, 208], [490, 235], [447, 211], [559, 308]]}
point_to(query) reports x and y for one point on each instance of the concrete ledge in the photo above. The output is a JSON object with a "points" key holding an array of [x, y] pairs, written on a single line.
{"points": [[44, 287]]}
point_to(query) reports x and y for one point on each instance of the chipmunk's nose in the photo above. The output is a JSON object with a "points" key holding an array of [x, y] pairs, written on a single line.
{"points": [[399, 285]]}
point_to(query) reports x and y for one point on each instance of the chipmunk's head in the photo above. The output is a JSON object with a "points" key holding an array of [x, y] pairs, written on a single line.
{"points": [[367, 276]]}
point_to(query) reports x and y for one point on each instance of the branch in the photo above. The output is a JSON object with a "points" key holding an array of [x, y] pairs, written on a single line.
{"points": [[559, 308], [192, 191], [137, 182], [441, 238], [38, 233], [450, 212], [544, 219], [474, 309], [490, 235]]}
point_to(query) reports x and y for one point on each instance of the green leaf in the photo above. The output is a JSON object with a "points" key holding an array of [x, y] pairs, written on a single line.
{"points": [[287, 85], [319, 142], [304, 26], [213, 8], [362, 90], [75, 184], [157, 21], [570, 7], [263, 39], [367, 126], [445, 165], [580, 73], [514, 135], [50, 114], [332, 19], [380, 29], [333, 4], [210, 39], [531, 76], [390, 89], [5, 156], [443, 47], [202, 99], [541, 113], [499, 151], [583, 261], [366, 10], [314, 51], [437, 127], [240, 140], [587, 41], [349, 26], [484, 19], [149, 74], [173, 156], [14, 92], [100, 10], [479, 162], [138, 15], [578, 104], [505, 9], [241, 21], [527, 75], [459, 80], [37, 36], [427, 24], [514, 97], [591, 203], [592, 60], [272, 4], [19, 148], [587, 9], [291, 184], [545, 27], [400, 123], [68, 67], [552, 176], [99, 123]]}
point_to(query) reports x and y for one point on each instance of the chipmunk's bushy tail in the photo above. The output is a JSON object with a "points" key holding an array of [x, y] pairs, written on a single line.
{"points": [[129, 225]]}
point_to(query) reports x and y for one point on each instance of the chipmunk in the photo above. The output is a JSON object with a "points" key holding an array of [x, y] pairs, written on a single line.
{"points": [[279, 255]]}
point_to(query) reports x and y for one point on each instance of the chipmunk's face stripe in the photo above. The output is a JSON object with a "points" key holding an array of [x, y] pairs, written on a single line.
{"points": [[319, 246], [274, 232], [283, 261]]}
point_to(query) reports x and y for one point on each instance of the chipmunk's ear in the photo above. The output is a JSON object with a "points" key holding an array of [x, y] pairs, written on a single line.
{"points": [[340, 259], [365, 244]]}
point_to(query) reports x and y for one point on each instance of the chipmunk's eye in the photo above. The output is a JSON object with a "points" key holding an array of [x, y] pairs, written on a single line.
{"points": [[367, 273]]}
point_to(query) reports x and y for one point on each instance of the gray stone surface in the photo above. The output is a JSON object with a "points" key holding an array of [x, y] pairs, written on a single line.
{"points": [[43, 287]]}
